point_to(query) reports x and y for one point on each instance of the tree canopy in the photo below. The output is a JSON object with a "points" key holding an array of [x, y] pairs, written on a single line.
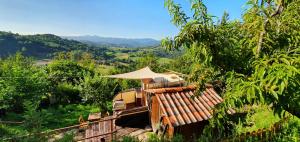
{"points": [[256, 59], [20, 80]]}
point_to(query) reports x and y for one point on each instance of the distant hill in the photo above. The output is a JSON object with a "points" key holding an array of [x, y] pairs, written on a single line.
{"points": [[119, 42], [45, 46], [40, 45]]}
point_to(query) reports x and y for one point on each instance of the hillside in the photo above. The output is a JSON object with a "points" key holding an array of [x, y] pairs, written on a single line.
{"points": [[40, 45], [45, 46], [119, 42]]}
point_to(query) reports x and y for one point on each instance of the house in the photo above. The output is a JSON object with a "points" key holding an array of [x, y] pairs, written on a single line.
{"points": [[165, 103]]}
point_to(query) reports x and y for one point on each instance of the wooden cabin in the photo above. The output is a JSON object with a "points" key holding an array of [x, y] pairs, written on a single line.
{"points": [[164, 103]]}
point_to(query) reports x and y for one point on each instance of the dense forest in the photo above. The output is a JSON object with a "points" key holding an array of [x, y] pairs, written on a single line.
{"points": [[254, 64]]}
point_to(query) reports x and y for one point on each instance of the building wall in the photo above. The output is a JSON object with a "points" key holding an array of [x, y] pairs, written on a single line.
{"points": [[191, 131], [156, 116], [128, 97]]}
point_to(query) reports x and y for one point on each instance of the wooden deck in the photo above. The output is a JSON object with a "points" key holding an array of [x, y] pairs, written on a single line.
{"points": [[131, 111]]}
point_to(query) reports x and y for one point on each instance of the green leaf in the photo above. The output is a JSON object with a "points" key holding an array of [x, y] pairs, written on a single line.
{"points": [[274, 94]]}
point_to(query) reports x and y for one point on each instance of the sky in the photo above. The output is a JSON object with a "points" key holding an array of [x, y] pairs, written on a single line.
{"points": [[107, 18]]}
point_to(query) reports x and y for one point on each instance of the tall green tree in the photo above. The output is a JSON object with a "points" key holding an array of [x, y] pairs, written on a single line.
{"points": [[99, 91], [257, 58], [21, 81], [148, 60], [65, 75]]}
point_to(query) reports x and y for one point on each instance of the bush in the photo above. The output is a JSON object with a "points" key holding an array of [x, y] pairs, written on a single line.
{"points": [[68, 137], [156, 138], [290, 132], [130, 139]]}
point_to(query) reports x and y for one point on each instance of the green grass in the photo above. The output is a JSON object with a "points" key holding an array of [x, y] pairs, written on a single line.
{"points": [[263, 117], [164, 60], [110, 53], [105, 69], [53, 118], [122, 55], [11, 130], [135, 58], [67, 115]]}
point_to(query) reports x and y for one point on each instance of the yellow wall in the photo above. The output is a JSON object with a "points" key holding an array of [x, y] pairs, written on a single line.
{"points": [[128, 97]]}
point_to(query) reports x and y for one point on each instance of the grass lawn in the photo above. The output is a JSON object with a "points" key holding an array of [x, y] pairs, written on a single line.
{"points": [[262, 118], [53, 118]]}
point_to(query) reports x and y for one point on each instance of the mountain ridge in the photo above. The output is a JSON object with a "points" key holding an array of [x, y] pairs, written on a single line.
{"points": [[41, 45], [115, 41]]}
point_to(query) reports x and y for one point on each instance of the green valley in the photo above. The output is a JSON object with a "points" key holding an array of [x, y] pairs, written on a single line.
{"points": [[202, 76]]}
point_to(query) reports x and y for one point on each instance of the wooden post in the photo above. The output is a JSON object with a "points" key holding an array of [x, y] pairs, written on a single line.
{"points": [[170, 131], [115, 129], [111, 130]]}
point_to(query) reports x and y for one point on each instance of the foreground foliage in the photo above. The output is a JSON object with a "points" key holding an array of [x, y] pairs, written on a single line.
{"points": [[47, 119], [253, 62], [20, 81]]}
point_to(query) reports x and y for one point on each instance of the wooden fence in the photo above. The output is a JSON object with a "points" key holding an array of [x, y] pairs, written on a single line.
{"points": [[94, 131]]}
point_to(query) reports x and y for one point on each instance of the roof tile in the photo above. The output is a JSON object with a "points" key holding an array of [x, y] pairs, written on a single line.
{"points": [[184, 107]]}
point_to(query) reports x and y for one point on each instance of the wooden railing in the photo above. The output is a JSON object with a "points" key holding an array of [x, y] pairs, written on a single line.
{"points": [[101, 130], [84, 126]]}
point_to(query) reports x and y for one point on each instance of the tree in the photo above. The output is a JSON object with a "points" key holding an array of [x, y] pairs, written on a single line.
{"points": [[33, 122], [257, 59], [21, 81], [65, 75], [149, 60], [98, 90], [87, 61]]}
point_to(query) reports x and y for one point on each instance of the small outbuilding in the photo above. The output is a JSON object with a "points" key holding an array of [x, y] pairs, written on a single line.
{"points": [[164, 102], [178, 110]]}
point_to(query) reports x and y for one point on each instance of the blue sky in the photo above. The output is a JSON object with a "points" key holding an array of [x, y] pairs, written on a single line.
{"points": [[109, 18]]}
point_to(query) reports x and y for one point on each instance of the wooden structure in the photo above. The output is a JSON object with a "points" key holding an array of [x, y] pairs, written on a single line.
{"points": [[179, 110], [164, 103], [172, 110], [105, 130], [128, 99], [131, 106], [136, 97], [101, 131]]}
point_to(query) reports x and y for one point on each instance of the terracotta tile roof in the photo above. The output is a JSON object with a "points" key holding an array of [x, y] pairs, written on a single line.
{"points": [[182, 106], [169, 90]]}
